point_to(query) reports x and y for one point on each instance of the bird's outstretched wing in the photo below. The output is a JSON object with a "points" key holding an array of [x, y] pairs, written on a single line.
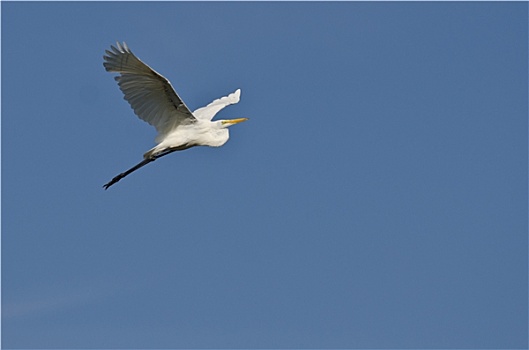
{"points": [[208, 112], [150, 95]]}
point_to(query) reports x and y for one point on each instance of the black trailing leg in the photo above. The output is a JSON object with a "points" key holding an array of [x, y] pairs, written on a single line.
{"points": [[138, 166]]}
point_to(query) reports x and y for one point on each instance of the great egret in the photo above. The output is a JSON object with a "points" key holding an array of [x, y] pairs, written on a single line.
{"points": [[154, 100]]}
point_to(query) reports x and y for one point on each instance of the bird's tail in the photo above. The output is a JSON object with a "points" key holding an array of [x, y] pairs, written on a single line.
{"points": [[149, 154]]}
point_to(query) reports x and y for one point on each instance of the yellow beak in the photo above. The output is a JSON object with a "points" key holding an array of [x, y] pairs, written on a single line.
{"points": [[234, 121]]}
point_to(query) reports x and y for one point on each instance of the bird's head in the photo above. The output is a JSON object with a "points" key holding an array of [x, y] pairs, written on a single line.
{"points": [[229, 122]]}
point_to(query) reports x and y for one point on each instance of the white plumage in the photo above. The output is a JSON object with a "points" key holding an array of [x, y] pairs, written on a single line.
{"points": [[154, 100]]}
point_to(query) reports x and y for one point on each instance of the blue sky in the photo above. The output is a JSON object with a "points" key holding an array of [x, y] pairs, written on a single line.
{"points": [[376, 198]]}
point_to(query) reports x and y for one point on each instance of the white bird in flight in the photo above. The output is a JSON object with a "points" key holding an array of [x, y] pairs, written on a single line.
{"points": [[154, 100]]}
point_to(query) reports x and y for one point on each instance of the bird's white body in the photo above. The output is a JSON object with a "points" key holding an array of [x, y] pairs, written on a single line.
{"points": [[201, 133], [154, 100]]}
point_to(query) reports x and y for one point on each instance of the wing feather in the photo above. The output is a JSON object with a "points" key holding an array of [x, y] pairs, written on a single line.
{"points": [[150, 95], [208, 112]]}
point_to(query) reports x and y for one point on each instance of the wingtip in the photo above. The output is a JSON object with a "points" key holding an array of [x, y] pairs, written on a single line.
{"points": [[119, 48], [237, 95]]}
